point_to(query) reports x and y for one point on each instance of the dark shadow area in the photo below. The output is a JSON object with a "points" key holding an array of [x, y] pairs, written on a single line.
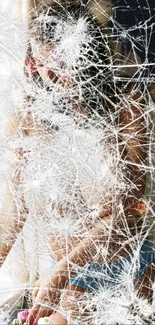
{"points": [[137, 17]]}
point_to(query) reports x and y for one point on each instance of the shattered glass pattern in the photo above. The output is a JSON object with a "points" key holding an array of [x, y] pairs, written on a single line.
{"points": [[77, 150]]}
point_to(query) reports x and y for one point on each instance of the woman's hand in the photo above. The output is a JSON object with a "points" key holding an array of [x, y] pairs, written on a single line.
{"points": [[46, 294], [45, 297]]}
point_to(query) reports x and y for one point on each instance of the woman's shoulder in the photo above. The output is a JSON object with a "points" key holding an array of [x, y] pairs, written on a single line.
{"points": [[20, 120], [13, 124], [18, 123]]}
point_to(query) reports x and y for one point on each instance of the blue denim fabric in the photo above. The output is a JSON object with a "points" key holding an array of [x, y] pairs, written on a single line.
{"points": [[94, 276]]}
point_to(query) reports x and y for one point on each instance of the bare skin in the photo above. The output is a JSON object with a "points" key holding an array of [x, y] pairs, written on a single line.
{"points": [[13, 212], [132, 124]]}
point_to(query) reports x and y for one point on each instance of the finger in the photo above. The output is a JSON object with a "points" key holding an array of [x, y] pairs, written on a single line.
{"points": [[35, 292], [36, 289], [32, 314], [42, 312], [30, 320], [37, 305]]}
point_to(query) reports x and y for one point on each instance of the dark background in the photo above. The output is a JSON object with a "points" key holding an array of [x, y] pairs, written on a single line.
{"points": [[138, 18]]}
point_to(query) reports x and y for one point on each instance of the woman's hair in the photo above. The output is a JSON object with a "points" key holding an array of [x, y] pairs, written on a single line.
{"points": [[41, 29], [30, 70], [95, 78]]}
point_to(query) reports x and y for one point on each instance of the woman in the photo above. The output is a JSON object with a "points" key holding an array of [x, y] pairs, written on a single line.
{"points": [[84, 152]]}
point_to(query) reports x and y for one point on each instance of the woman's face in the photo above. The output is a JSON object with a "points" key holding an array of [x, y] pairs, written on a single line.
{"points": [[41, 55], [48, 66]]}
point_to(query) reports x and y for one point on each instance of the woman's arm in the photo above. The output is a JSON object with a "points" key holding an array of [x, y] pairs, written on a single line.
{"points": [[133, 133], [82, 254], [67, 267], [13, 211]]}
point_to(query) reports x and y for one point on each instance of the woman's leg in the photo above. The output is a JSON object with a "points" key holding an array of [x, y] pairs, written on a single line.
{"points": [[69, 307]]}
